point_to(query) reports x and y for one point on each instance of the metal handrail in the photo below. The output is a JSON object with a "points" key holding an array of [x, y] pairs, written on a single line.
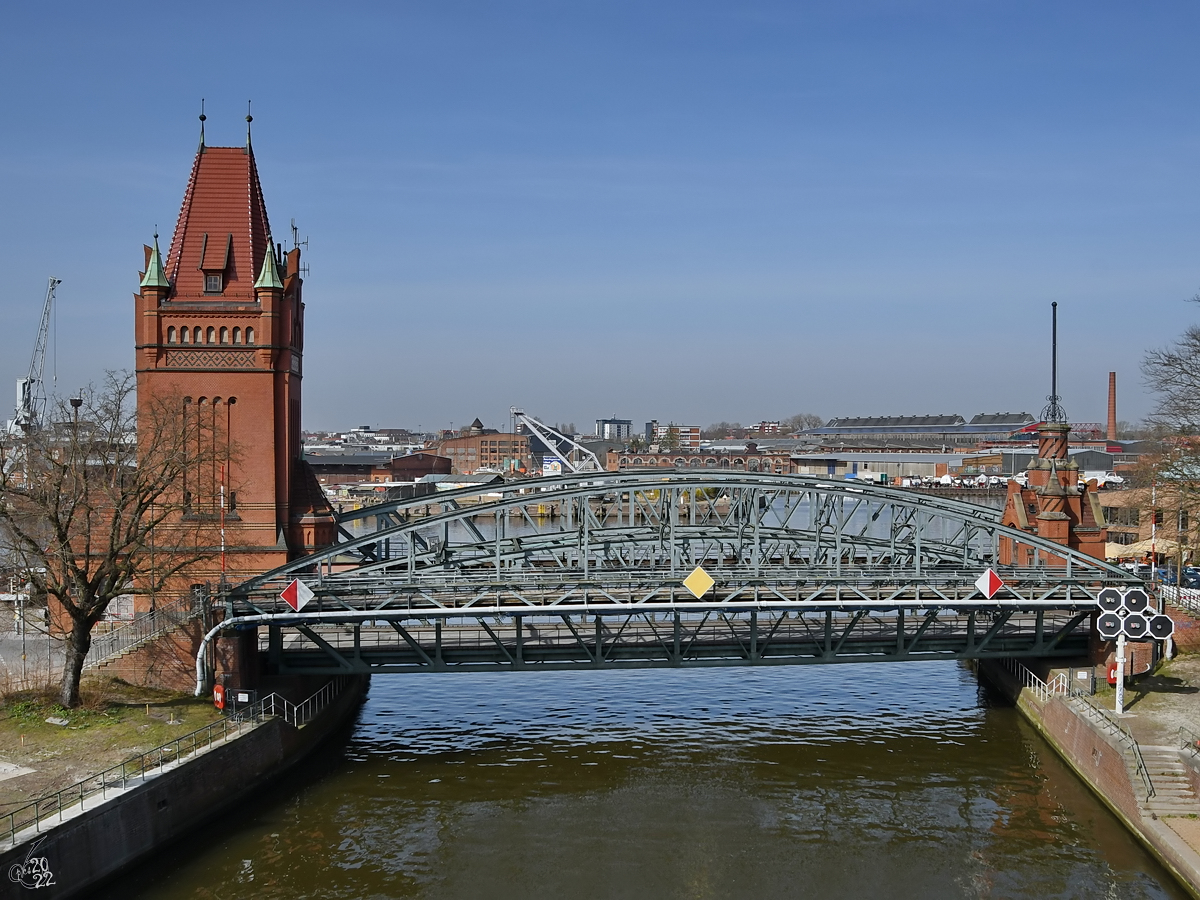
{"points": [[300, 714], [1044, 691], [1110, 723], [142, 629], [1189, 740], [1061, 686], [1184, 598], [154, 761]]}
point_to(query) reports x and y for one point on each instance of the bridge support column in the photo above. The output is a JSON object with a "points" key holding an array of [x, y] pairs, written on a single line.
{"points": [[676, 645], [754, 636], [237, 659], [274, 648]]}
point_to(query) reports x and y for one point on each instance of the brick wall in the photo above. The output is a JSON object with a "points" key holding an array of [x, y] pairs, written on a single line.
{"points": [[1187, 630], [169, 661]]}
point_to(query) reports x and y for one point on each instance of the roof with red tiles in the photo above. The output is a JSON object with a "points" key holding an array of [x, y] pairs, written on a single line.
{"points": [[222, 227]]}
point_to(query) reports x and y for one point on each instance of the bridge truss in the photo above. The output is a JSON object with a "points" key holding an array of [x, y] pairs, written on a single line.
{"points": [[587, 571]]}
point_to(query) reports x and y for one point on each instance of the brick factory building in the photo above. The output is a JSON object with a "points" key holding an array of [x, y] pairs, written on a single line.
{"points": [[477, 448], [751, 459], [375, 468]]}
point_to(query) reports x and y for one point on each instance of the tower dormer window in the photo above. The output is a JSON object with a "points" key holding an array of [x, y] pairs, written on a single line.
{"points": [[215, 255]]}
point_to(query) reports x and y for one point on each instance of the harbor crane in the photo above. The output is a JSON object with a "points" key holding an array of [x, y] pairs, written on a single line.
{"points": [[31, 390], [575, 457]]}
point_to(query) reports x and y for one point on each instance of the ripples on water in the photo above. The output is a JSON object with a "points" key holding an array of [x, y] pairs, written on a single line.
{"points": [[876, 780]]}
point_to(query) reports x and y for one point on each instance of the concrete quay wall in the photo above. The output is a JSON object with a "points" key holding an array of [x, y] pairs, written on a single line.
{"points": [[1099, 762], [113, 836]]}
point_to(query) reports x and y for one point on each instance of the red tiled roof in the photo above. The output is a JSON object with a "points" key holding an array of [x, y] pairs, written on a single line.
{"points": [[224, 201]]}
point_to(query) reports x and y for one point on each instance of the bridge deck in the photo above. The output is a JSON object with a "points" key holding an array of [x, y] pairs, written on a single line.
{"points": [[645, 640]]}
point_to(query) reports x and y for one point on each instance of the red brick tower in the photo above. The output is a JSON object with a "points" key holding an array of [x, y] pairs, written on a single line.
{"points": [[1054, 504], [221, 325]]}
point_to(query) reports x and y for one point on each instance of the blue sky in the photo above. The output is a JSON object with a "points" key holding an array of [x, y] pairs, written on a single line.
{"points": [[687, 211]]}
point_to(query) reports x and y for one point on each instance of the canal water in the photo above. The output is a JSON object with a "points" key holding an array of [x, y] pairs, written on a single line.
{"points": [[846, 781]]}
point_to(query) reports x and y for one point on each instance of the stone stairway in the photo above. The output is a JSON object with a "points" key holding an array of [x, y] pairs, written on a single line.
{"points": [[1173, 794]]}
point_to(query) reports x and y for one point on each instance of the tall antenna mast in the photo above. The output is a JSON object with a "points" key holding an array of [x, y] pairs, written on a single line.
{"points": [[1054, 411]]}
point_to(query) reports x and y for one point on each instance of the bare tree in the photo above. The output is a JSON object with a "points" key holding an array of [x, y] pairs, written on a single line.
{"points": [[723, 430], [1174, 374], [93, 506], [802, 422]]}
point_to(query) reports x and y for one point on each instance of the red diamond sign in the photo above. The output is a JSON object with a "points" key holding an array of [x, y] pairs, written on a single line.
{"points": [[988, 583], [297, 594]]}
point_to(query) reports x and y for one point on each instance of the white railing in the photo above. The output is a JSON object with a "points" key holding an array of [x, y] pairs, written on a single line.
{"points": [[300, 714], [1184, 598], [1058, 686]]}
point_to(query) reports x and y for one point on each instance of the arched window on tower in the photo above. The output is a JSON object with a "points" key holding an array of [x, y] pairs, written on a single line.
{"points": [[249, 335], [185, 336], [171, 334], [188, 422], [237, 335], [210, 335], [196, 335], [231, 494], [224, 335]]}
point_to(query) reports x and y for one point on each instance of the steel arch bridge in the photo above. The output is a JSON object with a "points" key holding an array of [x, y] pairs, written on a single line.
{"points": [[587, 571]]}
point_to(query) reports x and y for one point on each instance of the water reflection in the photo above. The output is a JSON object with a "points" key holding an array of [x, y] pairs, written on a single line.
{"points": [[893, 780]]}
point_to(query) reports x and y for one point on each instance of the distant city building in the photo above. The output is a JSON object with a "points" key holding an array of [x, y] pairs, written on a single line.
{"points": [[686, 437], [767, 427], [614, 429], [477, 448], [341, 468], [952, 430], [748, 459]]}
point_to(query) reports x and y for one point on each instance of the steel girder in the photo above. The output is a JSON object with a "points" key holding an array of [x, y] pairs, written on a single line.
{"points": [[587, 571], [576, 542], [667, 639]]}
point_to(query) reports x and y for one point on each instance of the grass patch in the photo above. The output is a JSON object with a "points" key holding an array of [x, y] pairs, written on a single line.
{"points": [[115, 722]]}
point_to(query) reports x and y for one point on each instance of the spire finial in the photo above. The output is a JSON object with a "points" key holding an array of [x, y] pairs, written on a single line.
{"points": [[249, 119], [268, 276], [202, 118], [155, 275], [1054, 411]]}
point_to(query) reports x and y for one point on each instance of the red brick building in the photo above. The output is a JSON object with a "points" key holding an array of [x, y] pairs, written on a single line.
{"points": [[477, 448], [220, 326], [1054, 505]]}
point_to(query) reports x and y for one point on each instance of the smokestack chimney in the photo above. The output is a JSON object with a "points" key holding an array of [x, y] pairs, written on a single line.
{"points": [[1112, 406]]}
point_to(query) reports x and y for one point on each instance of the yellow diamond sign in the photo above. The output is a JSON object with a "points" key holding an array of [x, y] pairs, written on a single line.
{"points": [[698, 583]]}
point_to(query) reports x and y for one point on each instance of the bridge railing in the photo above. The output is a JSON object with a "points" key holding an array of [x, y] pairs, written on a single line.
{"points": [[50, 810]]}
